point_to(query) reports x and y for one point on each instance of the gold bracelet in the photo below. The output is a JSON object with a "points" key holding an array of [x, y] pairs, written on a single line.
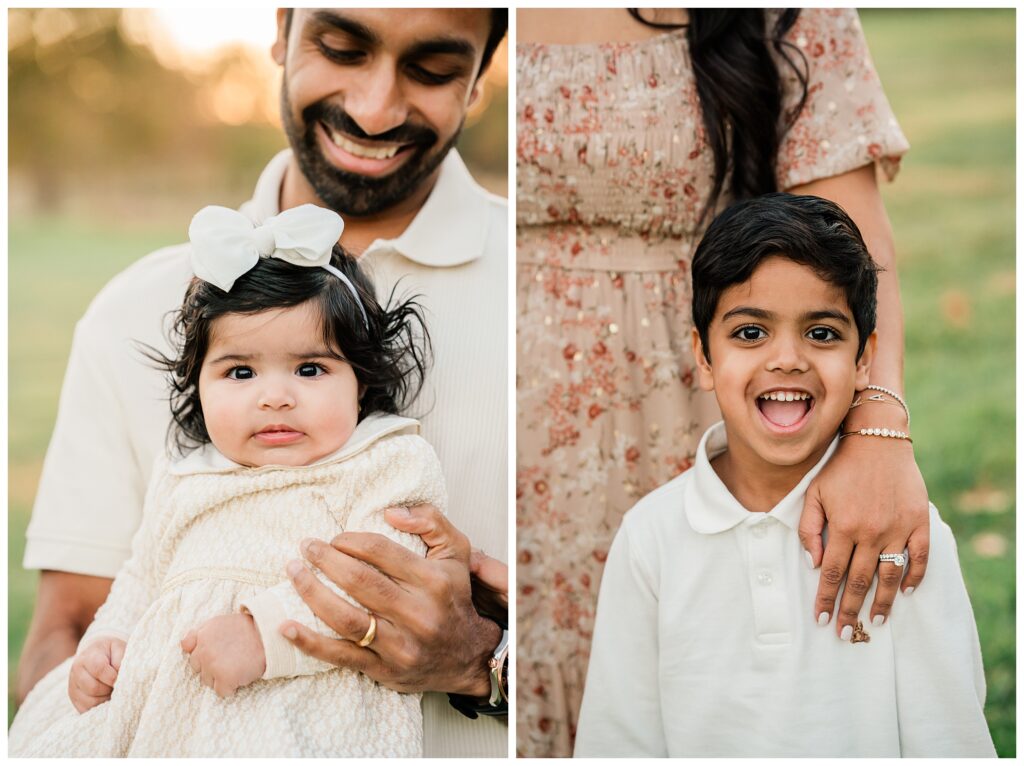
{"points": [[888, 433]]}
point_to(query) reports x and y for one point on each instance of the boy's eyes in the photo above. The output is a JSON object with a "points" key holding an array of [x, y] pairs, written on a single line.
{"points": [[823, 334], [310, 370], [752, 333]]}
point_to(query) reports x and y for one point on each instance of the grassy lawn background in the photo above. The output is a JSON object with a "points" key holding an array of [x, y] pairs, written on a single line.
{"points": [[949, 75]]}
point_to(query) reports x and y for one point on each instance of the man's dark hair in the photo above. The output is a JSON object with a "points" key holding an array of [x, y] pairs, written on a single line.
{"points": [[389, 352], [807, 230], [499, 26]]}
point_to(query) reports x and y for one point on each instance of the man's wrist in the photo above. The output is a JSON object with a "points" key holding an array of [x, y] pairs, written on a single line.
{"points": [[488, 695], [478, 678]]}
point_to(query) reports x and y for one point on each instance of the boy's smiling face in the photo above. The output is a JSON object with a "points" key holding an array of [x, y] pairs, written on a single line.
{"points": [[783, 365]]}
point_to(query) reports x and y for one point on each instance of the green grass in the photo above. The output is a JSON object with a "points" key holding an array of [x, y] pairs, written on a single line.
{"points": [[949, 75]]}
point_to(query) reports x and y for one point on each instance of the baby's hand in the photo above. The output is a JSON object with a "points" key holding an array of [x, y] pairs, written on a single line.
{"points": [[226, 652], [94, 672]]}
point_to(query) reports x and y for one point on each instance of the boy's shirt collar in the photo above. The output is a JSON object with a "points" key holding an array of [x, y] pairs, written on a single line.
{"points": [[450, 229], [711, 508]]}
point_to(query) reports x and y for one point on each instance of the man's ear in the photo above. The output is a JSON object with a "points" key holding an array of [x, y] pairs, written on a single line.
{"points": [[705, 376], [280, 46], [474, 94], [864, 363]]}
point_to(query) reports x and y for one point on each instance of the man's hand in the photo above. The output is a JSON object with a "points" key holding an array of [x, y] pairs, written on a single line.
{"points": [[874, 498], [227, 652], [429, 635], [94, 671]]}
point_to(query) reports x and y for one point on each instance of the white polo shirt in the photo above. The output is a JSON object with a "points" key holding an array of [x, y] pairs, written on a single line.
{"points": [[113, 415], [705, 643]]}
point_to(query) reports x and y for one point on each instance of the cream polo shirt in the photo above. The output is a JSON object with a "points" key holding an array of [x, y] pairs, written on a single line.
{"points": [[113, 414], [705, 644]]}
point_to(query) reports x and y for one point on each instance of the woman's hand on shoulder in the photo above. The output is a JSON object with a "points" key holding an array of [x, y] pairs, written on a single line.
{"points": [[873, 497]]}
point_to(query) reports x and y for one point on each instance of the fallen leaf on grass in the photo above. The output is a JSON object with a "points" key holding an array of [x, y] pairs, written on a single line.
{"points": [[989, 545], [983, 499]]}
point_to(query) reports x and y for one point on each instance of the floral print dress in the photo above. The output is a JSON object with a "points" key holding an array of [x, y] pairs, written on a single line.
{"points": [[612, 174]]}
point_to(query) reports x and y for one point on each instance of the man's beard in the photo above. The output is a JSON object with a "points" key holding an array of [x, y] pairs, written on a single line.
{"points": [[353, 194]]}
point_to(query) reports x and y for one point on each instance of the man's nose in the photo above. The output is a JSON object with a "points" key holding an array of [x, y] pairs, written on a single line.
{"points": [[376, 100]]}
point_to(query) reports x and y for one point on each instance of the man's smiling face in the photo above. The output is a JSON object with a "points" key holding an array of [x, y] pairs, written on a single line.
{"points": [[372, 100]]}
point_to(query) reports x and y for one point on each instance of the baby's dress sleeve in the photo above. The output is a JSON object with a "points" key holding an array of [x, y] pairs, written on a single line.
{"points": [[940, 682], [400, 471], [137, 583], [621, 711], [846, 122]]}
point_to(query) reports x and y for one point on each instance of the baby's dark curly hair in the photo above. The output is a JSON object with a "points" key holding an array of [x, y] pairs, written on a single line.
{"points": [[389, 357]]}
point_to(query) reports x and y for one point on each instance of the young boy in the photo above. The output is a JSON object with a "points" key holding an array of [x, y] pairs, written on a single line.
{"points": [[703, 645]]}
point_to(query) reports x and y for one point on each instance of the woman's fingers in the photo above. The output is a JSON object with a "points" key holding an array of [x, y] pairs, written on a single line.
{"points": [[833, 567], [889, 577], [858, 583], [917, 549]]}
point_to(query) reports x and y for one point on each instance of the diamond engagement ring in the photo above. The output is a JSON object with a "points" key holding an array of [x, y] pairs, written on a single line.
{"points": [[893, 558]]}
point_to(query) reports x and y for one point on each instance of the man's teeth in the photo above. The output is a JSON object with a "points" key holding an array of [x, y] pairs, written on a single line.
{"points": [[786, 396], [382, 153]]}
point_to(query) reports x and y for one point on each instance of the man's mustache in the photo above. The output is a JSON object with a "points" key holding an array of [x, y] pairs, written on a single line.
{"points": [[338, 119]]}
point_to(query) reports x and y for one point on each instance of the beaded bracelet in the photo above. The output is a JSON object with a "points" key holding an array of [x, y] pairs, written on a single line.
{"points": [[886, 432]]}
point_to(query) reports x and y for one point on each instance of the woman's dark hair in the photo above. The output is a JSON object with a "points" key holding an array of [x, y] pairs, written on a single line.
{"points": [[807, 230], [389, 353], [740, 92]]}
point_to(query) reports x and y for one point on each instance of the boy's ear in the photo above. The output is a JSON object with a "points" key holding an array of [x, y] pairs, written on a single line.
{"points": [[864, 363], [705, 376]]}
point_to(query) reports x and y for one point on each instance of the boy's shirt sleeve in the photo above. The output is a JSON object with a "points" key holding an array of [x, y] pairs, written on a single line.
{"points": [[621, 713], [940, 682], [402, 472], [137, 583]]}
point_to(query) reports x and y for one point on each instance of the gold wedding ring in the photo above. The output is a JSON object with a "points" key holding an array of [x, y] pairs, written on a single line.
{"points": [[371, 633]]}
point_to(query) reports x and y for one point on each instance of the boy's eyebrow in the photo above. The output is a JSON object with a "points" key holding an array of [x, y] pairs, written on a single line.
{"points": [[810, 316], [318, 353], [826, 314]]}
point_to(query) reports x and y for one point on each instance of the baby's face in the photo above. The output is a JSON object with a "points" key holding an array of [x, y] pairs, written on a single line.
{"points": [[784, 364], [272, 392]]}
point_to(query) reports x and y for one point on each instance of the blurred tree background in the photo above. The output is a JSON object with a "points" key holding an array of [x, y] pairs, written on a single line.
{"points": [[116, 139]]}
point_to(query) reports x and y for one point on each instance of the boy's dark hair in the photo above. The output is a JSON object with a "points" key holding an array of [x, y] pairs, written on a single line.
{"points": [[389, 357], [801, 228]]}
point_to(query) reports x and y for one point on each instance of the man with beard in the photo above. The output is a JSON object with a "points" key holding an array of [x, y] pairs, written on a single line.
{"points": [[372, 102]]}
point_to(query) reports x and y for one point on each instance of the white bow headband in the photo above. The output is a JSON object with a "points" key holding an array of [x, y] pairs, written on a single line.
{"points": [[226, 244]]}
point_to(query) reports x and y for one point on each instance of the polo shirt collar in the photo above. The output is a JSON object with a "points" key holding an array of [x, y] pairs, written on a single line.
{"points": [[208, 459], [711, 508], [450, 229]]}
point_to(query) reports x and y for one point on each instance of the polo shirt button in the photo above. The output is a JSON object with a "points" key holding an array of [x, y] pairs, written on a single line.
{"points": [[761, 529], [765, 578]]}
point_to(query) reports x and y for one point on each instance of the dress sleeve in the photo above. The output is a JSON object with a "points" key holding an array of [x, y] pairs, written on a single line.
{"points": [[401, 471], [940, 682], [621, 711], [846, 122], [137, 583]]}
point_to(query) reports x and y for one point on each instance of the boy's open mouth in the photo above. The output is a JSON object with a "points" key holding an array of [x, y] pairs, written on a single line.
{"points": [[785, 409]]}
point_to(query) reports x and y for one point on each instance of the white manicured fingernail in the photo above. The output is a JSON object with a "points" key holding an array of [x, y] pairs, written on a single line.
{"points": [[908, 591], [808, 560], [846, 633], [878, 619], [823, 618]]}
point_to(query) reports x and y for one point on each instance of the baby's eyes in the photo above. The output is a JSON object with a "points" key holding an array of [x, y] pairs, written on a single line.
{"points": [[310, 370], [241, 373], [823, 334]]}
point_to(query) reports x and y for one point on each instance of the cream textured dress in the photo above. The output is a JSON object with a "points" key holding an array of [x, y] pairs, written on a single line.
{"points": [[215, 539], [613, 170]]}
